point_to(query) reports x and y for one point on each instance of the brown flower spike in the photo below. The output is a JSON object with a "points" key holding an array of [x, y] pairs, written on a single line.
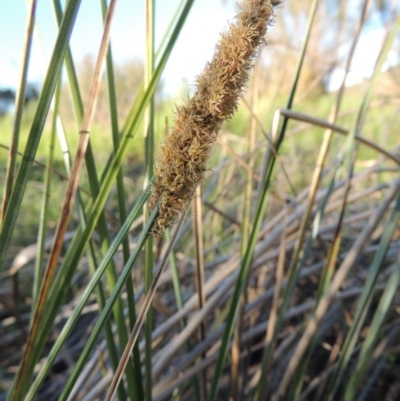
{"points": [[185, 151]]}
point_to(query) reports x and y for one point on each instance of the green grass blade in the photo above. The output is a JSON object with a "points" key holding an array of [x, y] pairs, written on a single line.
{"points": [[77, 102], [22, 379], [179, 304], [81, 239], [69, 325], [91, 342], [19, 107], [102, 223], [90, 252], [267, 174], [44, 210], [122, 212], [357, 322], [111, 275], [37, 126], [385, 303], [365, 300]]}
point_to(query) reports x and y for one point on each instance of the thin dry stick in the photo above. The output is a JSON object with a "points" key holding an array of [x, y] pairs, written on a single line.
{"points": [[140, 318], [70, 195]]}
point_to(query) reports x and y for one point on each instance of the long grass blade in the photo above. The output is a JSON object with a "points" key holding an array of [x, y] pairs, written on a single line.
{"points": [[143, 311], [262, 199], [125, 275], [22, 379], [337, 281], [72, 320], [356, 326], [19, 107], [81, 239], [199, 253], [149, 161], [44, 210], [137, 381], [382, 309], [179, 303], [37, 126], [27, 360]]}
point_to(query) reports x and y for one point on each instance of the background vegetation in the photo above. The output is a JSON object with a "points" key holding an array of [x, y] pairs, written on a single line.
{"points": [[281, 282]]}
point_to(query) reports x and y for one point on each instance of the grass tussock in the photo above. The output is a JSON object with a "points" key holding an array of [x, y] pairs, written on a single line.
{"points": [[279, 283]]}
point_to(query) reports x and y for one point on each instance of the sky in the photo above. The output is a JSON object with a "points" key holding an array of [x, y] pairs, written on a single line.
{"points": [[365, 56], [194, 47]]}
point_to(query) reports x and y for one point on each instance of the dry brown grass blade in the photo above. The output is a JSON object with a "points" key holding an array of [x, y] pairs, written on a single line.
{"points": [[141, 316], [337, 281], [340, 130], [226, 266], [221, 213], [266, 247], [68, 200], [183, 372], [198, 244], [325, 144], [275, 302]]}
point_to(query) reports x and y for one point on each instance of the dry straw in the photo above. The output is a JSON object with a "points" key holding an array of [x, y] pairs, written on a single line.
{"points": [[187, 145]]}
